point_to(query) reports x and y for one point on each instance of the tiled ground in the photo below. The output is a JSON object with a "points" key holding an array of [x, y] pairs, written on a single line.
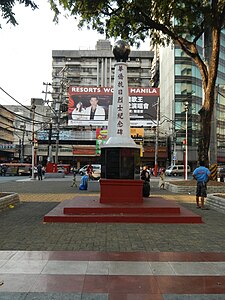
{"points": [[107, 261], [94, 275]]}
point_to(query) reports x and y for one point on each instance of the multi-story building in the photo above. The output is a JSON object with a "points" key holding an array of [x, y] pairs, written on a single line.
{"points": [[85, 73], [181, 85], [49, 122], [26, 123], [7, 148]]}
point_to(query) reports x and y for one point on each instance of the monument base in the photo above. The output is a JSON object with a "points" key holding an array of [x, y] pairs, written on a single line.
{"points": [[121, 191]]}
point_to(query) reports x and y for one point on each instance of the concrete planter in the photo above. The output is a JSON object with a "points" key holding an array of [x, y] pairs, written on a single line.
{"points": [[216, 202], [181, 189], [7, 199]]}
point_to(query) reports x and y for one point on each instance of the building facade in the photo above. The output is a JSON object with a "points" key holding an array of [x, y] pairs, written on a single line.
{"points": [[93, 70], [27, 122], [180, 85], [7, 147], [60, 139]]}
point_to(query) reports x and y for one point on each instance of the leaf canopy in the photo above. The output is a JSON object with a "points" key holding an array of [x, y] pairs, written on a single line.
{"points": [[134, 20], [6, 8]]}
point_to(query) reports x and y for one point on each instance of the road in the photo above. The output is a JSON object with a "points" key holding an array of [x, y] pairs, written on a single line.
{"points": [[69, 178]]}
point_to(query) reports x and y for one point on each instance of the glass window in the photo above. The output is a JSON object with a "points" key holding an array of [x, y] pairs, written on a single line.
{"points": [[179, 107], [183, 70], [183, 88]]}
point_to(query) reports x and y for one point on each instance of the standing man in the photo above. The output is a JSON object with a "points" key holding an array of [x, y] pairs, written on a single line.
{"points": [[94, 111], [39, 171], [89, 171], [202, 175], [145, 176]]}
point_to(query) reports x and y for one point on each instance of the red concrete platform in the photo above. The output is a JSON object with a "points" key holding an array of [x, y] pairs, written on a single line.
{"points": [[87, 209], [124, 191]]}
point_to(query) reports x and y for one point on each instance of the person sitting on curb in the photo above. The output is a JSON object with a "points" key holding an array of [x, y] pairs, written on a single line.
{"points": [[202, 175]]}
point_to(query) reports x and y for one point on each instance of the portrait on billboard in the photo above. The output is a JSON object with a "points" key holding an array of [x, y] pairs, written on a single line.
{"points": [[92, 112]]}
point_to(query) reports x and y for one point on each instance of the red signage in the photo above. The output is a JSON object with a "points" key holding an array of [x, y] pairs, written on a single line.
{"points": [[83, 151]]}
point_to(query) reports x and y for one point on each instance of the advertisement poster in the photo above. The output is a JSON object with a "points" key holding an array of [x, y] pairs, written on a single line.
{"points": [[101, 138], [90, 105], [137, 135]]}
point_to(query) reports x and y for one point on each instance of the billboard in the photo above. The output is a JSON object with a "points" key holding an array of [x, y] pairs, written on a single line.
{"points": [[137, 135], [101, 138], [90, 105]]}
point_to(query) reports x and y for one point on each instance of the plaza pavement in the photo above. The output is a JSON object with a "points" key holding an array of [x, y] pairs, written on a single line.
{"points": [[29, 248]]}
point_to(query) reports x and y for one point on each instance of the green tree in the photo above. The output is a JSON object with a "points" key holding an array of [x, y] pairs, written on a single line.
{"points": [[182, 22], [6, 8]]}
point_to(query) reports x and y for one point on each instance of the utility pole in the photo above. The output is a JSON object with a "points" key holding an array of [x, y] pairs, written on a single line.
{"points": [[50, 143], [186, 140], [58, 110], [23, 127], [49, 157], [33, 140], [57, 139], [156, 139]]}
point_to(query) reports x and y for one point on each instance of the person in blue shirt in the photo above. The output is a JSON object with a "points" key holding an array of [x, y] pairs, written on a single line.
{"points": [[83, 183], [202, 175]]}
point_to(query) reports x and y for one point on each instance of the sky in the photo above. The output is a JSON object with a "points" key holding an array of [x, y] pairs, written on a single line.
{"points": [[26, 50]]}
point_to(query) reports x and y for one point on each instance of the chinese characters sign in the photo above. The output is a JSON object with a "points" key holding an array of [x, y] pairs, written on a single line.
{"points": [[120, 100]]}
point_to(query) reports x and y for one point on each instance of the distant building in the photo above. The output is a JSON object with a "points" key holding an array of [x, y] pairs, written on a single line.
{"points": [[95, 68], [26, 124], [7, 148], [89, 70]]}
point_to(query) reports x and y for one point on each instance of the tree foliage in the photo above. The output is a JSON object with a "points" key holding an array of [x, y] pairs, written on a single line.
{"points": [[182, 22], [6, 8]]}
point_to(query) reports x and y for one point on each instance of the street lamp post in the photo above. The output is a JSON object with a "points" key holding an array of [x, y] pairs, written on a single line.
{"points": [[186, 140], [23, 128], [33, 141], [46, 92], [156, 139]]}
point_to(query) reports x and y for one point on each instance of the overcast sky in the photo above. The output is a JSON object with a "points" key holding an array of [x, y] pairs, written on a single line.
{"points": [[26, 50]]}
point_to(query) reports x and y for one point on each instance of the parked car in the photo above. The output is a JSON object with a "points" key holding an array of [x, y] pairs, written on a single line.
{"points": [[221, 173], [11, 171], [176, 170], [96, 171], [61, 169], [24, 170]]}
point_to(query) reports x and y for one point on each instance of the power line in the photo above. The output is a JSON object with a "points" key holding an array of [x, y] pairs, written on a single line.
{"points": [[26, 107]]}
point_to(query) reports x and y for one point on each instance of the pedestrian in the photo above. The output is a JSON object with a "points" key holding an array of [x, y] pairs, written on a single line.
{"points": [[162, 179], [39, 171], [74, 182], [84, 183], [89, 171], [145, 176], [43, 171], [202, 175], [3, 170]]}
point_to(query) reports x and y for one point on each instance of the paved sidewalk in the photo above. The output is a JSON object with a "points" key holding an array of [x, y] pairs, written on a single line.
{"points": [[84, 261], [22, 227]]}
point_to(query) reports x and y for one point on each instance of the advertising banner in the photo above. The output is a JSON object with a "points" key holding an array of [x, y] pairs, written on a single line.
{"points": [[101, 137], [90, 105]]}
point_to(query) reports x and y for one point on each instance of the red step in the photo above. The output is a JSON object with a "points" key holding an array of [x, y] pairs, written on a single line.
{"points": [[88, 209]]}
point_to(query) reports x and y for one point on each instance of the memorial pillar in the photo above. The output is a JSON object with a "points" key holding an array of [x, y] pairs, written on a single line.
{"points": [[120, 178]]}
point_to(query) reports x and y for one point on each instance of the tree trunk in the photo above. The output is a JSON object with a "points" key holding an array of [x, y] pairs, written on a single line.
{"points": [[209, 75], [205, 131]]}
